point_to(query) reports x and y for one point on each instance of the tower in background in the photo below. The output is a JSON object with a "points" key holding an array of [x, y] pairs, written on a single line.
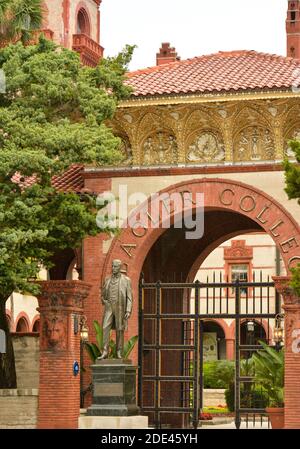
{"points": [[293, 29], [75, 24]]}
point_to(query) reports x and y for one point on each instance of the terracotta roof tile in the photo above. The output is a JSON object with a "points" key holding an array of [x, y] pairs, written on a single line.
{"points": [[240, 70], [71, 180]]}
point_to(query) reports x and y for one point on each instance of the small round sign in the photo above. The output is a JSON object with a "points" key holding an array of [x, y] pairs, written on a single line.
{"points": [[75, 368]]}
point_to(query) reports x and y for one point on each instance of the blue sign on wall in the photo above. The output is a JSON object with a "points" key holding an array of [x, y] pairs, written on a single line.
{"points": [[75, 368]]}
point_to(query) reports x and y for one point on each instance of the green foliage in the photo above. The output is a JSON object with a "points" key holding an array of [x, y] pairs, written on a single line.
{"points": [[19, 18], [252, 396], [218, 374], [295, 283], [292, 179], [95, 350], [269, 373], [51, 116]]}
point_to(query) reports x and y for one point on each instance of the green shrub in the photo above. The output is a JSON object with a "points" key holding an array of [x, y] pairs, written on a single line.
{"points": [[253, 397], [218, 374]]}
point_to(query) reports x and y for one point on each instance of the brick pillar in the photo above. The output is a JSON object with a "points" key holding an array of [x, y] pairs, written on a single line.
{"points": [[60, 307], [230, 349], [292, 353]]}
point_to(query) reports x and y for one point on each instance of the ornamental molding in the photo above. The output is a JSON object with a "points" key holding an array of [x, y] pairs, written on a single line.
{"points": [[238, 251], [219, 132]]}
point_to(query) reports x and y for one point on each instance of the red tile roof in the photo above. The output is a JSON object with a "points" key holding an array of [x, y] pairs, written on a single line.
{"points": [[71, 180], [221, 72]]}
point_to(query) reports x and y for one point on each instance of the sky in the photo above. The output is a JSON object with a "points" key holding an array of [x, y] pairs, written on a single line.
{"points": [[193, 27]]}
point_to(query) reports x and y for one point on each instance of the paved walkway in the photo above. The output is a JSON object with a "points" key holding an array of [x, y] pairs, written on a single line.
{"points": [[231, 425]]}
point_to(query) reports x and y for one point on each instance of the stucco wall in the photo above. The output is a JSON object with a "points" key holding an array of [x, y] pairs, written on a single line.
{"points": [[272, 183], [18, 409], [26, 349]]}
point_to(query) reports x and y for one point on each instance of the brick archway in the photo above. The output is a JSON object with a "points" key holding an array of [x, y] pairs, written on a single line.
{"points": [[132, 246], [231, 208]]}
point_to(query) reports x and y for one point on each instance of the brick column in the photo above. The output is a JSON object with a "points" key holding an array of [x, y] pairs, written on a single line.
{"points": [[230, 349], [292, 352], [60, 307]]}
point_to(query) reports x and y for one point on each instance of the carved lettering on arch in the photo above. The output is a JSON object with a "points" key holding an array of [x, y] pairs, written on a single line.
{"points": [[226, 197], [289, 244], [128, 247]]}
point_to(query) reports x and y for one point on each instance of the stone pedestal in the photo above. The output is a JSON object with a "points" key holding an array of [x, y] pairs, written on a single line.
{"points": [[114, 388]]}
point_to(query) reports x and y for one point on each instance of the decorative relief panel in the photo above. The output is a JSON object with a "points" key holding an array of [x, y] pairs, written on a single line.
{"points": [[245, 131], [159, 148], [54, 332], [206, 147], [254, 143], [126, 150]]}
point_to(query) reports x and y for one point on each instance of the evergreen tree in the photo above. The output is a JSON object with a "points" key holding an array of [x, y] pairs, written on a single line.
{"points": [[19, 19], [51, 116], [292, 177]]}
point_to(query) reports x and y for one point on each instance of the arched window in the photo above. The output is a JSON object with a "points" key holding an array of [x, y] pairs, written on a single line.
{"points": [[36, 326], [83, 23], [22, 325]]}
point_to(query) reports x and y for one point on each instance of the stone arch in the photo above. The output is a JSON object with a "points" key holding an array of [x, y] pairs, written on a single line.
{"points": [[35, 324], [223, 325], [9, 319], [83, 19], [264, 323], [22, 323], [247, 202]]}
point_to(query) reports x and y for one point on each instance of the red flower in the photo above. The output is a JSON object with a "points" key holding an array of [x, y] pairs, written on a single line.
{"points": [[205, 417]]}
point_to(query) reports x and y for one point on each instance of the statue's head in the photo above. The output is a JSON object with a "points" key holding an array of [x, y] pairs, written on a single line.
{"points": [[116, 266]]}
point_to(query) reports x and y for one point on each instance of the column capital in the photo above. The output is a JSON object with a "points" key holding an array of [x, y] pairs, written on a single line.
{"points": [[282, 285], [62, 294]]}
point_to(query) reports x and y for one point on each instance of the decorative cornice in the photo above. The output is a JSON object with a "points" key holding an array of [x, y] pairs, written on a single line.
{"points": [[238, 250], [97, 172], [206, 98]]}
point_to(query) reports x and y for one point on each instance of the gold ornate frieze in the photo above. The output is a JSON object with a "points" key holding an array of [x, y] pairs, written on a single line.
{"points": [[206, 147], [159, 148], [254, 143], [212, 133]]}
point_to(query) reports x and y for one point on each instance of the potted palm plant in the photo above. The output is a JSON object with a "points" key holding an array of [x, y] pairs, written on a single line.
{"points": [[269, 373], [95, 349]]}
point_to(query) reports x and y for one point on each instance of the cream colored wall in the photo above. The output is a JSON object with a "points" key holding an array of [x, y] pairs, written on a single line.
{"points": [[55, 19], [264, 259], [272, 183], [56, 24], [92, 9], [19, 303]]}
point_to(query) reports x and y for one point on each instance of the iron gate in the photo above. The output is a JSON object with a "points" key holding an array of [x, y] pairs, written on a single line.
{"points": [[171, 317]]}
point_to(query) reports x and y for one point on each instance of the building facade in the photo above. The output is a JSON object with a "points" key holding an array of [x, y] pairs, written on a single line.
{"points": [[216, 125]]}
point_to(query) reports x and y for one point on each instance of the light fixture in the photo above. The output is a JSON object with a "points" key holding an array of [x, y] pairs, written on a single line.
{"points": [[278, 331], [250, 326], [84, 330]]}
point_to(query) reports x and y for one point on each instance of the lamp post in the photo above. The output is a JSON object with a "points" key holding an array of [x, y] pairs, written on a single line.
{"points": [[250, 331], [84, 336], [278, 331]]}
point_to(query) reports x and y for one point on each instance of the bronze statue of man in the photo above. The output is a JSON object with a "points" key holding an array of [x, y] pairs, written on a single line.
{"points": [[117, 300]]}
